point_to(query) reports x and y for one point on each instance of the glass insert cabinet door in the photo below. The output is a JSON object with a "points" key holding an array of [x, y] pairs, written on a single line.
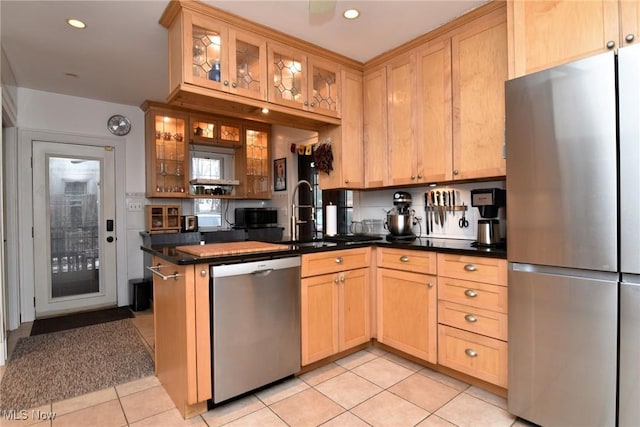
{"points": [[257, 164], [288, 77], [226, 59], [168, 161]]}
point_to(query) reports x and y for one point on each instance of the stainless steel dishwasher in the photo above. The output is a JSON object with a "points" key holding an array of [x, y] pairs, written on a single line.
{"points": [[255, 325]]}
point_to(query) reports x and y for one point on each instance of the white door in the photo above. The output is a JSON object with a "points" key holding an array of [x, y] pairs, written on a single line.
{"points": [[74, 227]]}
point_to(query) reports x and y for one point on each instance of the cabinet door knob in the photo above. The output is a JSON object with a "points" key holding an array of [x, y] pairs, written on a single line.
{"points": [[470, 267], [419, 176], [339, 260], [470, 318], [234, 85], [456, 172], [346, 181], [471, 293], [226, 83], [342, 278], [413, 177], [335, 280], [404, 258], [313, 104], [306, 103], [629, 37], [430, 285], [611, 44], [471, 352], [203, 273]]}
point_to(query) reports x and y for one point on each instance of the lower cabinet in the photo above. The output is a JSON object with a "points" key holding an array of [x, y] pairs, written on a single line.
{"points": [[335, 304], [407, 302], [182, 334], [472, 316]]}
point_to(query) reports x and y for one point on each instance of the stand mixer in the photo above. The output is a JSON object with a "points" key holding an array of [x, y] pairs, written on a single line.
{"points": [[400, 218]]}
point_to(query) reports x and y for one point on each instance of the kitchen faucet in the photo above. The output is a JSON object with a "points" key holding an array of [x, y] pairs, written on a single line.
{"points": [[295, 222]]}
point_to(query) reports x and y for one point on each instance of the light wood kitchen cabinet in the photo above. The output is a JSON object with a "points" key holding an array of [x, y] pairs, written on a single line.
{"points": [[182, 334], [479, 70], [434, 113], [438, 109], [163, 218], [303, 81], [402, 147], [346, 139], [215, 132], [376, 167], [407, 302], [166, 152], [209, 53], [543, 34], [256, 182], [472, 316], [334, 302]]}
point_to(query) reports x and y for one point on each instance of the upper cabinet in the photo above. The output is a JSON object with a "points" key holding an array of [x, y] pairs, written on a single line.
{"points": [[301, 81], [376, 170], [223, 64], [184, 146], [479, 70], [346, 140], [543, 34], [221, 57], [435, 112]]}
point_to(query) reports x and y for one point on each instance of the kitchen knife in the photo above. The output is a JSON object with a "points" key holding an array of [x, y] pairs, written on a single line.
{"points": [[440, 216], [453, 201], [444, 206], [426, 212], [431, 215]]}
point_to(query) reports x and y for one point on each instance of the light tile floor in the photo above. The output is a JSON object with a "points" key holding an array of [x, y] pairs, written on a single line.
{"points": [[370, 387]]}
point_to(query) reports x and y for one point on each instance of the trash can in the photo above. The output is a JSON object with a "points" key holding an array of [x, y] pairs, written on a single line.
{"points": [[140, 294]]}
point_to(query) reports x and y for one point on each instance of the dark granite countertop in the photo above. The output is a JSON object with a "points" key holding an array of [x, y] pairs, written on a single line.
{"points": [[454, 246]]}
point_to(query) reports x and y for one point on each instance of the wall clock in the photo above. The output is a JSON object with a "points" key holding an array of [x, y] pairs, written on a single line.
{"points": [[119, 125]]}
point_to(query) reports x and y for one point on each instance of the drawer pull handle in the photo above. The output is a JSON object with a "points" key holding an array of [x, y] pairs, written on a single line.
{"points": [[470, 318], [471, 352], [339, 260], [404, 258], [470, 267], [471, 293]]}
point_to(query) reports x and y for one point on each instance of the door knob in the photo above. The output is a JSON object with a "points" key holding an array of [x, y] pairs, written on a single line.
{"points": [[110, 239]]}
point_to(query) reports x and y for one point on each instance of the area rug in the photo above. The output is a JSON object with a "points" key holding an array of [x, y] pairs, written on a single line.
{"points": [[53, 367], [77, 320]]}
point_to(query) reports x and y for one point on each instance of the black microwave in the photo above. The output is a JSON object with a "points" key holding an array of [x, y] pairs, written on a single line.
{"points": [[256, 218]]}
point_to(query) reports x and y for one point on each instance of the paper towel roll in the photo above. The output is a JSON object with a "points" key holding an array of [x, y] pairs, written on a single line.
{"points": [[332, 220]]}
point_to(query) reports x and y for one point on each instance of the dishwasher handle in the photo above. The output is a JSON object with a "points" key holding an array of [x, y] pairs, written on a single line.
{"points": [[262, 273]]}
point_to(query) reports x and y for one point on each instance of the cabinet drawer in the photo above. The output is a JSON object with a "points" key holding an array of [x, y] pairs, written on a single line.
{"points": [[334, 261], [476, 355], [473, 319], [407, 260], [478, 269], [475, 294]]}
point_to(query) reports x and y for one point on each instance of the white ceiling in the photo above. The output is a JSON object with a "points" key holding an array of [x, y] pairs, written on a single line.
{"points": [[122, 55]]}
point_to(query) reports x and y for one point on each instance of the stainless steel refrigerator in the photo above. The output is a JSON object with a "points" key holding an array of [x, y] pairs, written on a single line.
{"points": [[573, 213]]}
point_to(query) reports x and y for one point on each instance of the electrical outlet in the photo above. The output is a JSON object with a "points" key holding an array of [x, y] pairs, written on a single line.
{"points": [[134, 206]]}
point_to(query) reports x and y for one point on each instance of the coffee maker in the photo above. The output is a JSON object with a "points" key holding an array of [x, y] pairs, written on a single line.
{"points": [[488, 201], [400, 218]]}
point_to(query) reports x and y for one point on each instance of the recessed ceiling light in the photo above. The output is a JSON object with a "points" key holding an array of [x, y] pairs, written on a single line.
{"points": [[76, 23], [351, 13]]}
